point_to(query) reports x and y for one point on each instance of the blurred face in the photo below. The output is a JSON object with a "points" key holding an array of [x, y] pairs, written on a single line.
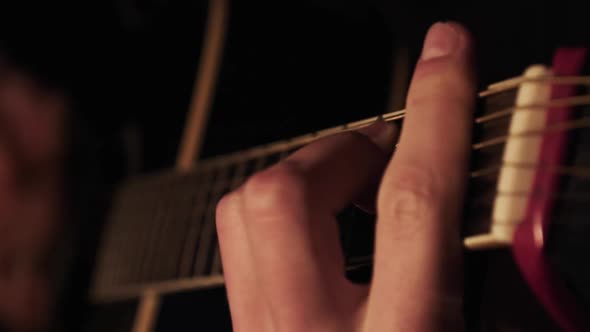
{"points": [[31, 149]]}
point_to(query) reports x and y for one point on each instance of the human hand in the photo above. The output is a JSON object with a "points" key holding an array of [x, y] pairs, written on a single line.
{"points": [[31, 152], [278, 235]]}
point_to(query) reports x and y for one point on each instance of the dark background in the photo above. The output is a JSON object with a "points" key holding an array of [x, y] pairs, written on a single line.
{"points": [[289, 67]]}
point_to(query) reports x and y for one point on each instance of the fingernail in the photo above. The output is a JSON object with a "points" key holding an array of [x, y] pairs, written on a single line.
{"points": [[381, 133], [441, 40]]}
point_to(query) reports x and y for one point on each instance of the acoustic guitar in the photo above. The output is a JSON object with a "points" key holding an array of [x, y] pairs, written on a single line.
{"points": [[525, 220]]}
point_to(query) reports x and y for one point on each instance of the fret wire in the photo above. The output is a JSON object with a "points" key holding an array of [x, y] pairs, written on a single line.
{"points": [[159, 243], [195, 224], [117, 230], [110, 268], [152, 211], [170, 253], [149, 270], [238, 175], [302, 140], [200, 210], [191, 241], [204, 245], [236, 180], [216, 257], [137, 215], [129, 202], [186, 193], [120, 230], [151, 228], [206, 239], [198, 192], [147, 217], [193, 185]]}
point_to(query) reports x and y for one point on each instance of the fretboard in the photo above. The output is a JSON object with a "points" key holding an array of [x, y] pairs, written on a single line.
{"points": [[162, 227]]}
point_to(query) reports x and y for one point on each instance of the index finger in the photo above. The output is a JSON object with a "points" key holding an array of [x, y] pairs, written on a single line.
{"points": [[418, 248]]}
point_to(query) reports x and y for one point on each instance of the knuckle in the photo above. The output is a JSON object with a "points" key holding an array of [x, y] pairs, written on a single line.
{"points": [[445, 83], [228, 211], [432, 99], [438, 94], [272, 192], [227, 205], [409, 197]]}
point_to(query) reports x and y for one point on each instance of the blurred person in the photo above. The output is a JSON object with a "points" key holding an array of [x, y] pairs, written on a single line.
{"points": [[283, 218], [31, 195]]}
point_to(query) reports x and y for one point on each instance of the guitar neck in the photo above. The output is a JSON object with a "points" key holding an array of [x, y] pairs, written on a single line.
{"points": [[162, 227]]}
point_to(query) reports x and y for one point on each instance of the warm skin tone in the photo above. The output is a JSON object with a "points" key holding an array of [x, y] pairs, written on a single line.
{"points": [[31, 151], [278, 235]]}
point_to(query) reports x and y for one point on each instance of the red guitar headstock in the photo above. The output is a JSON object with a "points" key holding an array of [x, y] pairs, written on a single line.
{"points": [[544, 209], [541, 183]]}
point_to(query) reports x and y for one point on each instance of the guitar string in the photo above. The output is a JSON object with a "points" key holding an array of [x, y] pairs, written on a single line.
{"points": [[578, 100], [558, 102], [576, 172], [561, 169], [397, 115], [389, 117], [573, 171], [557, 196], [515, 82], [558, 126], [562, 196], [355, 262], [564, 125]]}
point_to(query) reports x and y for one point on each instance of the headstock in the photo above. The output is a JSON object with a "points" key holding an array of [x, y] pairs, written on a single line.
{"points": [[541, 180]]}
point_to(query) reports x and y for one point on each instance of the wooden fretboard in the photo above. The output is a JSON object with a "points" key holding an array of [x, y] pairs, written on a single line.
{"points": [[161, 229]]}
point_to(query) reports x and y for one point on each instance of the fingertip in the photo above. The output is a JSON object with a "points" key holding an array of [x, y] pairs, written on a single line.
{"points": [[446, 39], [446, 66]]}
